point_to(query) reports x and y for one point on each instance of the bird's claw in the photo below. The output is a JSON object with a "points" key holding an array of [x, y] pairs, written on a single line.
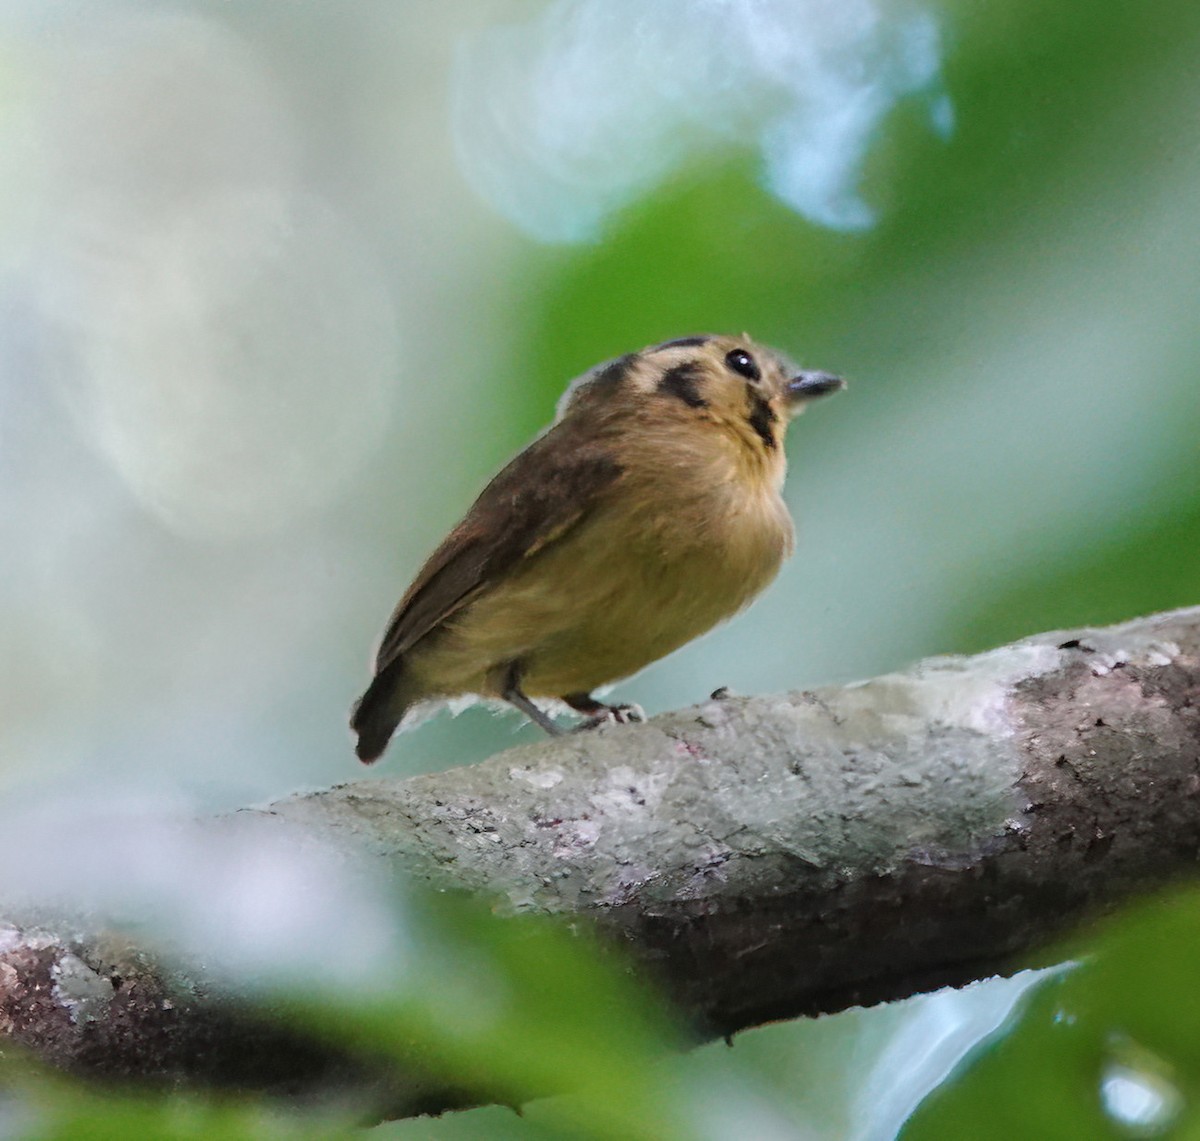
{"points": [[613, 715]]}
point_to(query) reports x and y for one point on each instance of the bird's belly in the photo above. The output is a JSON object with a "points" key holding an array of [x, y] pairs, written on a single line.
{"points": [[586, 613], [655, 612]]}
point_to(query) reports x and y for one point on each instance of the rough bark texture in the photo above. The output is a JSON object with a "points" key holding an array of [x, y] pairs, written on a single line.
{"points": [[762, 858]]}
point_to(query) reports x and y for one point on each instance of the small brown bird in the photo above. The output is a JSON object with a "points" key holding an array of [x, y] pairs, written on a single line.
{"points": [[648, 512]]}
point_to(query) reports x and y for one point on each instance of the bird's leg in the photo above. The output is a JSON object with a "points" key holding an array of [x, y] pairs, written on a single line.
{"points": [[597, 713], [513, 695]]}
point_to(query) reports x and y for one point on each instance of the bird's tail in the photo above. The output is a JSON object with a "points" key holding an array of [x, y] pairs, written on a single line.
{"points": [[377, 713]]}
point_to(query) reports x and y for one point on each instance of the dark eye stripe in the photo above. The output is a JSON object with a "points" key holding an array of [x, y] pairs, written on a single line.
{"points": [[597, 384], [683, 382], [743, 364], [612, 374], [762, 417], [683, 343]]}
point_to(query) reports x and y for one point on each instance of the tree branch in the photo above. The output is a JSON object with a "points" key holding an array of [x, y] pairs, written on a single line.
{"points": [[761, 858]]}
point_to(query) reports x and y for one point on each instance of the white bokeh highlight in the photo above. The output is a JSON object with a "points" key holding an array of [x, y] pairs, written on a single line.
{"points": [[244, 898], [218, 330], [562, 120], [237, 364], [930, 1043], [1139, 1101]]}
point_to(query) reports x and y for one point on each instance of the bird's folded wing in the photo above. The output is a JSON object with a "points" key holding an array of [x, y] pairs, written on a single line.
{"points": [[536, 500]]}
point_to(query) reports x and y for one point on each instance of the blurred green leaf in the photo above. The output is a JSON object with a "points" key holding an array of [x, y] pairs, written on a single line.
{"points": [[1107, 1049], [39, 1106], [517, 1008], [488, 1122]]}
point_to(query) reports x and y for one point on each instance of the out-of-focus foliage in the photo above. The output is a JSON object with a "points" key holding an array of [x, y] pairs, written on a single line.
{"points": [[514, 1009], [268, 320], [36, 1106], [1106, 1049]]}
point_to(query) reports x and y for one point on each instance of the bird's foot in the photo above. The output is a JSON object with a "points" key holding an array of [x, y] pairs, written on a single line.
{"points": [[612, 715]]}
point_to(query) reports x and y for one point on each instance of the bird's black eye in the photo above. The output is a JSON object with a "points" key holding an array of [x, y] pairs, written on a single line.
{"points": [[742, 363]]}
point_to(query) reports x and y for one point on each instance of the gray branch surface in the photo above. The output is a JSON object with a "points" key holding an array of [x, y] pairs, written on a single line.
{"points": [[760, 858]]}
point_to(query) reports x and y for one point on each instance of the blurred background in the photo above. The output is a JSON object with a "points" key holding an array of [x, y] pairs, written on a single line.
{"points": [[281, 286]]}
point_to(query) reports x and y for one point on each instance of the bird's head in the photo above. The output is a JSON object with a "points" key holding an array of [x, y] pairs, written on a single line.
{"points": [[731, 382]]}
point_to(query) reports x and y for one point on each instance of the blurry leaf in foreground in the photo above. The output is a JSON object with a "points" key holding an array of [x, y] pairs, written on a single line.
{"points": [[1107, 1050], [488, 1123], [513, 1009], [40, 1106]]}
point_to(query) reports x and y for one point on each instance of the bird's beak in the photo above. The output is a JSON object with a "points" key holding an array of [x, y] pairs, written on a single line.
{"points": [[806, 386]]}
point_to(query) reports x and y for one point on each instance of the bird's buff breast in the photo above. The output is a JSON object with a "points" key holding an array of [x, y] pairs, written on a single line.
{"points": [[624, 588]]}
